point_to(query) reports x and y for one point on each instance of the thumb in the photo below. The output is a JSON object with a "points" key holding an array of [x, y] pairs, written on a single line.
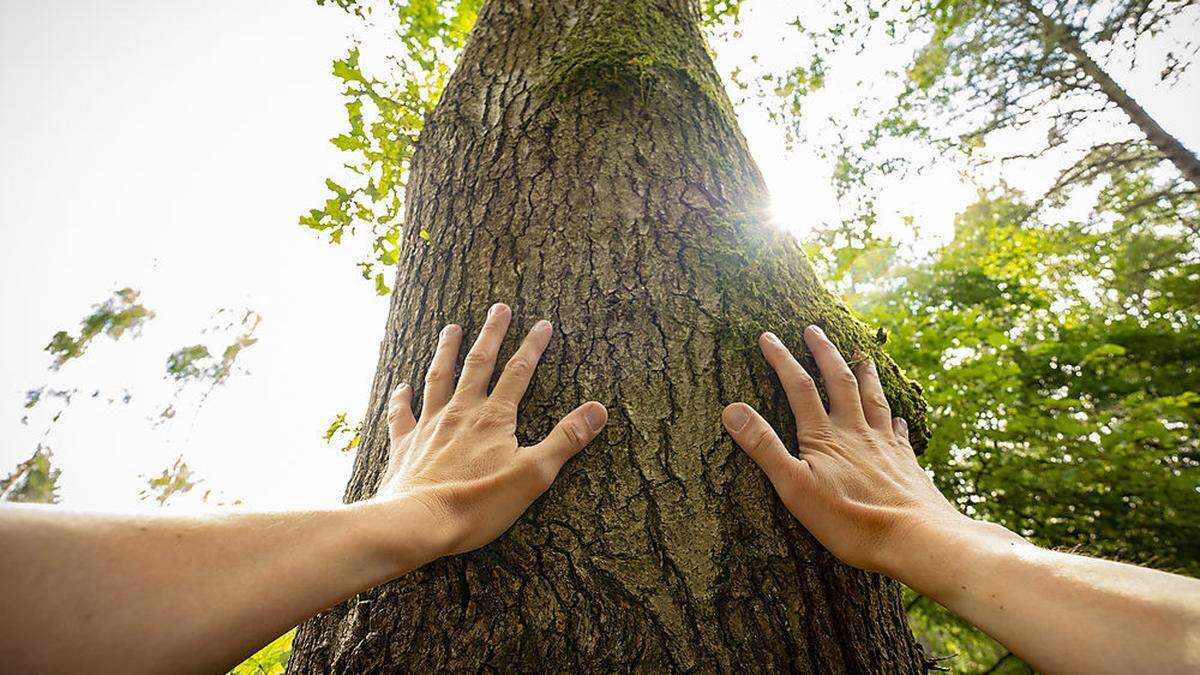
{"points": [[760, 441], [573, 432]]}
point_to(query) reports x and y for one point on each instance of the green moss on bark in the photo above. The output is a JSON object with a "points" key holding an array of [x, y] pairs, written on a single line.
{"points": [[631, 45], [769, 278]]}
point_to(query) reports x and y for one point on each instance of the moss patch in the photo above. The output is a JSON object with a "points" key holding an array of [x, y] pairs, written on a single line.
{"points": [[768, 278], [631, 45]]}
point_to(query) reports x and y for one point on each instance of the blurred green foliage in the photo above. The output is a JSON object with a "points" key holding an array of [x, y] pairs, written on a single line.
{"points": [[341, 430], [33, 481], [175, 479], [196, 371], [114, 317]]}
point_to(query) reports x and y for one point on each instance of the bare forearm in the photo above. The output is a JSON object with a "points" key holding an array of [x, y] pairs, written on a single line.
{"points": [[136, 593], [1060, 612], [131, 594]]}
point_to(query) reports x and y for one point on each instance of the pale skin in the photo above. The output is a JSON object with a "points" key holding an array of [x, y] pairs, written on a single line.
{"points": [[111, 593], [856, 485], [136, 594]]}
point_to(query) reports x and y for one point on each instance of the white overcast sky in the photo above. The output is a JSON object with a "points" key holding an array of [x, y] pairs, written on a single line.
{"points": [[170, 145]]}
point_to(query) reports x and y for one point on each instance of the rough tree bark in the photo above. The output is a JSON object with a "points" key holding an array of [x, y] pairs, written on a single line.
{"points": [[584, 165]]}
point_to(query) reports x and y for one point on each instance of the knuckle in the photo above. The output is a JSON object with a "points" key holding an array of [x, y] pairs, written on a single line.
{"points": [[805, 381], [876, 401], [762, 440], [844, 378], [573, 434], [519, 365], [438, 373], [478, 358], [496, 414], [503, 407], [816, 433], [453, 413]]}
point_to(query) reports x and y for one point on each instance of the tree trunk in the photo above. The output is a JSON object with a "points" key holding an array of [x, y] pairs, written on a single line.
{"points": [[584, 165], [1172, 148]]}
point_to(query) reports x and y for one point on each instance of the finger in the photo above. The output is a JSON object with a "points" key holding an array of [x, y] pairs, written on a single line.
{"points": [[514, 381], [761, 442], [875, 405], [481, 360], [840, 383], [400, 414], [797, 383], [439, 381], [573, 432], [900, 428]]}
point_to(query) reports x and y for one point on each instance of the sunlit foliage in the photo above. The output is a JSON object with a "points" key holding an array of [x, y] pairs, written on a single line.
{"points": [[1063, 389], [385, 111], [343, 432], [195, 370], [1056, 335], [33, 481], [114, 317], [173, 480], [387, 99]]}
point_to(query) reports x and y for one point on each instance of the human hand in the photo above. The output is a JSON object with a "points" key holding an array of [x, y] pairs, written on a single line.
{"points": [[856, 484], [461, 460]]}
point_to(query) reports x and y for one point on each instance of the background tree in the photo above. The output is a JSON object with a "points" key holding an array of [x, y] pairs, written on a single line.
{"points": [[584, 164], [1055, 336], [1062, 388], [991, 78]]}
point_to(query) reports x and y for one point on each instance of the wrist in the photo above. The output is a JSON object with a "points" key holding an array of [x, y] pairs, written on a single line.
{"points": [[937, 552], [399, 534]]}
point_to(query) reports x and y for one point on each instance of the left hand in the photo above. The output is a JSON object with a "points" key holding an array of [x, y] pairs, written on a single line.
{"points": [[461, 459]]}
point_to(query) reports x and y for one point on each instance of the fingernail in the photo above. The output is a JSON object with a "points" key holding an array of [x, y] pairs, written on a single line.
{"points": [[900, 425], [735, 417], [403, 386], [596, 416], [772, 338], [448, 330], [497, 308], [816, 330], [540, 327]]}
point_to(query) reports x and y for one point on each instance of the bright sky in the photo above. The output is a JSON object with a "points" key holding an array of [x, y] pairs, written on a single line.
{"points": [[170, 146]]}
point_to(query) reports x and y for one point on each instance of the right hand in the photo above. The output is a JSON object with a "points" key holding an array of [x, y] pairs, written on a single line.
{"points": [[856, 484]]}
